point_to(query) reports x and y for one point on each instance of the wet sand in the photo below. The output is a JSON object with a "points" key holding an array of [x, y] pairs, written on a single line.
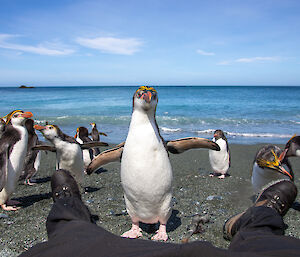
{"points": [[193, 190]]}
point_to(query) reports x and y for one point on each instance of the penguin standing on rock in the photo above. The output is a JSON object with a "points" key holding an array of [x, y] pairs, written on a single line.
{"points": [[146, 172], [219, 161], [82, 136], [33, 157], [68, 150], [95, 134], [13, 148]]}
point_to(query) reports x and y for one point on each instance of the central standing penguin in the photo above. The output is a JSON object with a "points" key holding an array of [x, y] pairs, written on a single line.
{"points": [[146, 172]]}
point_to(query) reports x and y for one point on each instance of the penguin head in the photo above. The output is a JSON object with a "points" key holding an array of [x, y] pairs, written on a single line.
{"points": [[49, 131], [292, 148], [82, 132], [219, 134], [93, 124], [269, 156], [17, 117], [29, 126], [145, 98]]}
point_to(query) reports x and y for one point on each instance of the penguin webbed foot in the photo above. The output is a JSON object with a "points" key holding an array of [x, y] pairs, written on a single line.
{"points": [[10, 205], [161, 234], [134, 232]]}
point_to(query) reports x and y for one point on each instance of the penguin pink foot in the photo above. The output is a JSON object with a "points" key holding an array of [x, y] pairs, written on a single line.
{"points": [[134, 232], [161, 234], [27, 182], [7, 207], [221, 176]]}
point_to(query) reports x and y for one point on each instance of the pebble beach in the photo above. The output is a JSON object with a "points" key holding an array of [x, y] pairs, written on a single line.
{"points": [[194, 193]]}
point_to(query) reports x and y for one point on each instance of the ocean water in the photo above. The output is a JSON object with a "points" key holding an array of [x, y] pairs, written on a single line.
{"points": [[247, 114]]}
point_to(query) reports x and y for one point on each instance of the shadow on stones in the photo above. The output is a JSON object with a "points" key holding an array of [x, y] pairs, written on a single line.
{"points": [[296, 206], [27, 201], [89, 189], [101, 170], [173, 223], [41, 180]]}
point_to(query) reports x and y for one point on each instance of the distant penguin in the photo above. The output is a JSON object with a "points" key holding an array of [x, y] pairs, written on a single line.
{"points": [[146, 172], [33, 157], [68, 151], [13, 148], [82, 136], [95, 134], [269, 165], [219, 160]]}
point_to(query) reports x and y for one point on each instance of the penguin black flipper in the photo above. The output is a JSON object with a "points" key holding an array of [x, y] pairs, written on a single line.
{"points": [[184, 144], [50, 148], [7, 141], [111, 155], [3, 169], [88, 145]]}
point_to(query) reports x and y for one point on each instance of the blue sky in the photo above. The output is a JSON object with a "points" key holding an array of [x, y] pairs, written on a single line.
{"points": [[157, 42]]}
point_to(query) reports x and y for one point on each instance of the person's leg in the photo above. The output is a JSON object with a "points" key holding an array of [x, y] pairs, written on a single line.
{"points": [[260, 229], [71, 232]]}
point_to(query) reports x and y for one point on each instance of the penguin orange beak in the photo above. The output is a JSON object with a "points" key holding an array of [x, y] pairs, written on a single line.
{"points": [[26, 114], [39, 127], [147, 96], [282, 170]]}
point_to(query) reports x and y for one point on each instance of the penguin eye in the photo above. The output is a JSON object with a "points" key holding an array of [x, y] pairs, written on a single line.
{"points": [[139, 94]]}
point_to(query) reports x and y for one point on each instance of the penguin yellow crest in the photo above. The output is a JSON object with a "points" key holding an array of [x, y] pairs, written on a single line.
{"points": [[269, 164], [142, 88], [8, 116]]}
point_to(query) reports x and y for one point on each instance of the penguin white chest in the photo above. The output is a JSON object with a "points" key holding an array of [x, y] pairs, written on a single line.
{"points": [[261, 177], [146, 173], [19, 151], [219, 160], [85, 153], [69, 157]]}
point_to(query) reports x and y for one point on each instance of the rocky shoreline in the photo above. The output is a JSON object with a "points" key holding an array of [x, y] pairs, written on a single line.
{"points": [[193, 190]]}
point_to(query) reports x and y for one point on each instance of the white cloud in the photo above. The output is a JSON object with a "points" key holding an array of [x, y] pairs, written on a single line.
{"points": [[250, 60], [199, 51], [42, 49], [125, 46], [257, 59]]}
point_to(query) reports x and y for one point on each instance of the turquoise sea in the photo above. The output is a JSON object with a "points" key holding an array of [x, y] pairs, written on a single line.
{"points": [[258, 114]]}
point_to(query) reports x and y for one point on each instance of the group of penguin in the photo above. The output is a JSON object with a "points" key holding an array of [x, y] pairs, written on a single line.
{"points": [[146, 171], [20, 151]]}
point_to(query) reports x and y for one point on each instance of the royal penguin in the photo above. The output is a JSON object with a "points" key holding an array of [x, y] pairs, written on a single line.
{"points": [[82, 136], [33, 157], [13, 149], [269, 165], [219, 160], [146, 172], [95, 134], [68, 150]]}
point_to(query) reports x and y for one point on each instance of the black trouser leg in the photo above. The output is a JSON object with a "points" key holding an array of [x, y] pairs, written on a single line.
{"points": [[262, 232], [65, 210]]}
